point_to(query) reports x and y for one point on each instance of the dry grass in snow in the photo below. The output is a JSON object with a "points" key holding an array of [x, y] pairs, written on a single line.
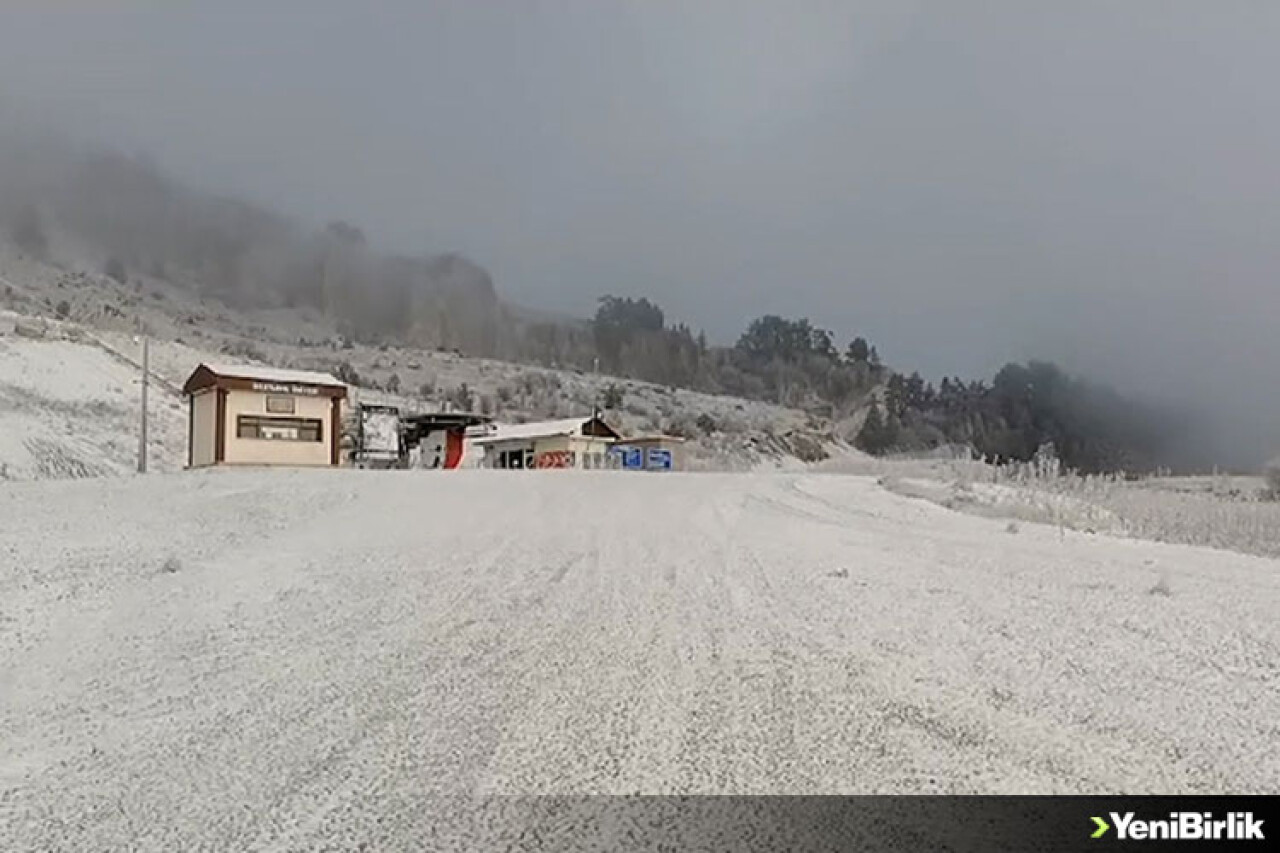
{"points": [[1217, 512]]}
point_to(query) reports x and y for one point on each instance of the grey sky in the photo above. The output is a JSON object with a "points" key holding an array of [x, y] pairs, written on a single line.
{"points": [[964, 182]]}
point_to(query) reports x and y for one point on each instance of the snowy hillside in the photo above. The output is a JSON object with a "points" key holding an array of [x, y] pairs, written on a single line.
{"points": [[69, 408], [282, 660], [725, 433]]}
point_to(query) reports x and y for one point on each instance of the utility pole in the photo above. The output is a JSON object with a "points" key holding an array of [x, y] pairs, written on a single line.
{"points": [[595, 384], [142, 433]]}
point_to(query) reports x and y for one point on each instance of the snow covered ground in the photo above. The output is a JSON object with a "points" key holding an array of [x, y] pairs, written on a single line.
{"points": [[280, 660], [71, 409], [997, 500]]}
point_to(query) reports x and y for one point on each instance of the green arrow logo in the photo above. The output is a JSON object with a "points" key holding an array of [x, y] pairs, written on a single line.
{"points": [[1103, 826]]}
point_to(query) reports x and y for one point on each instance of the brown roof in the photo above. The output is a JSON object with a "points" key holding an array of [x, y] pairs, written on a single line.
{"points": [[674, 438], [249, 377]]}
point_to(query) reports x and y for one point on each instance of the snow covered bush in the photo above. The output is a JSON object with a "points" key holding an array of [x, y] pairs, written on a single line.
{"points": [[1271, 473]]}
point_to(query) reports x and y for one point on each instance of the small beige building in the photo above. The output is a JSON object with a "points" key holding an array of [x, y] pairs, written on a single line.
{"points": [[568, 443], [250, 415]]}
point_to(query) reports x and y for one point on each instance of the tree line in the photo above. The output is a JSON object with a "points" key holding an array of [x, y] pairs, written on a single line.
{"points": [[786, 361], [1090, 426], [795, 363]]}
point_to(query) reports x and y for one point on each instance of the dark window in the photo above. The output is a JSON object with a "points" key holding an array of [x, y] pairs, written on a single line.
{"points": [[279, 429]]}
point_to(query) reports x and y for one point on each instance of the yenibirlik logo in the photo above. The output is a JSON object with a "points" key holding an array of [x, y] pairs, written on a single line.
{"points": [[1182, 826]]}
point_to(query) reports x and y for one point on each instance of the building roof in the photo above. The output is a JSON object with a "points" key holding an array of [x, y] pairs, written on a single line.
{"points": [[214, 374], [675, 439], [263, 373], [417, 426], [547, 429], [445, 420]]}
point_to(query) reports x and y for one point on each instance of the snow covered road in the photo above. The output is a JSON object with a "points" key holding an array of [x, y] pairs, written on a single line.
{"points": [[327, 651]]}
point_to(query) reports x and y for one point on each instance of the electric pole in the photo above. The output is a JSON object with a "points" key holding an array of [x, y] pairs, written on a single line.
{"points": [[142, 433], [595, 385]]}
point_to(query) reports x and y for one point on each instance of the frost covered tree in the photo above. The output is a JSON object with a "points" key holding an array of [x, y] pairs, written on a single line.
{"points": [[859, 351]]}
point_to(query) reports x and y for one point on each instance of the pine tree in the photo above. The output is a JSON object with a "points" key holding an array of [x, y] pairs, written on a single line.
{"points": [[878, 433]]}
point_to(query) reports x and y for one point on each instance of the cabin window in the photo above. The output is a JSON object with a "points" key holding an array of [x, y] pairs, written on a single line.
{"points": [[279, 429]]}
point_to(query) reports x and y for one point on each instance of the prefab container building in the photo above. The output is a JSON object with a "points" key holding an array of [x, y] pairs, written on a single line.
{"points": [[568, 443], [251, 415]]}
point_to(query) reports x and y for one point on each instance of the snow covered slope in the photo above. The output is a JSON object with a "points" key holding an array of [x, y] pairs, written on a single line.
{"points": [[725, 433], [293, 659], [71, 409]]}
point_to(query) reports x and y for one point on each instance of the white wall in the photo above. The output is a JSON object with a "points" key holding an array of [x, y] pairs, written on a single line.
{"points": [[203, 427], [256, 451], [579, 446], [589, 446]]}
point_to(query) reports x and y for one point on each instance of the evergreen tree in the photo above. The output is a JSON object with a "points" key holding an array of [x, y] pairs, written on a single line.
{"points": [[878, 433]]}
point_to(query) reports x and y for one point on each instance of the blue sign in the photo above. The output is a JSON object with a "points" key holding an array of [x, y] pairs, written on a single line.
{"points": [[659, 460], [632, 457]]}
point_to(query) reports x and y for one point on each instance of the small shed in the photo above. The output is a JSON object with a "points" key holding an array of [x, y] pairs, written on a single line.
{"points": [[251, 415], [567, 443]]}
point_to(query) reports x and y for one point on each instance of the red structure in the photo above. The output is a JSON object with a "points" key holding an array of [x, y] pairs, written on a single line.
{"points": [[454, 439], [440, 436]]}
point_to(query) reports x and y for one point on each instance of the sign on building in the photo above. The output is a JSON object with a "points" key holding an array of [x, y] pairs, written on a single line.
{"points": [[630, 458], [286, 388], [641, 459], [659, 459]]}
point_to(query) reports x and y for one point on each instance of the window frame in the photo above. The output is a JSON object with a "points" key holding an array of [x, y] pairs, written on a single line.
{"points": [[303, 428], [291, 404]]}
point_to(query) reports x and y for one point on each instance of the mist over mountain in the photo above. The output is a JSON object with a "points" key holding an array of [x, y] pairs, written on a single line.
{"points": [[966, 189], [70, 206]]}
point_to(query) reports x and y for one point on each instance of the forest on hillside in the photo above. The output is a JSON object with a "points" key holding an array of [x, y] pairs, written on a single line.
{"points": [[795, 363], [142, 222]]}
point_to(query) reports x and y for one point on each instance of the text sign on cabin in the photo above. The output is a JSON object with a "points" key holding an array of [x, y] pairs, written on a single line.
{"points": [[659, 459], [279, 388]]}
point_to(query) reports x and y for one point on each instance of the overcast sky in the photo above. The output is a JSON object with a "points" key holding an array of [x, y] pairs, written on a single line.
{"points": [[966, 183]]}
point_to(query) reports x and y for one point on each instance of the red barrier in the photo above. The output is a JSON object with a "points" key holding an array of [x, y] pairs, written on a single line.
{"points": [[554, 459], [453, 448]]}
